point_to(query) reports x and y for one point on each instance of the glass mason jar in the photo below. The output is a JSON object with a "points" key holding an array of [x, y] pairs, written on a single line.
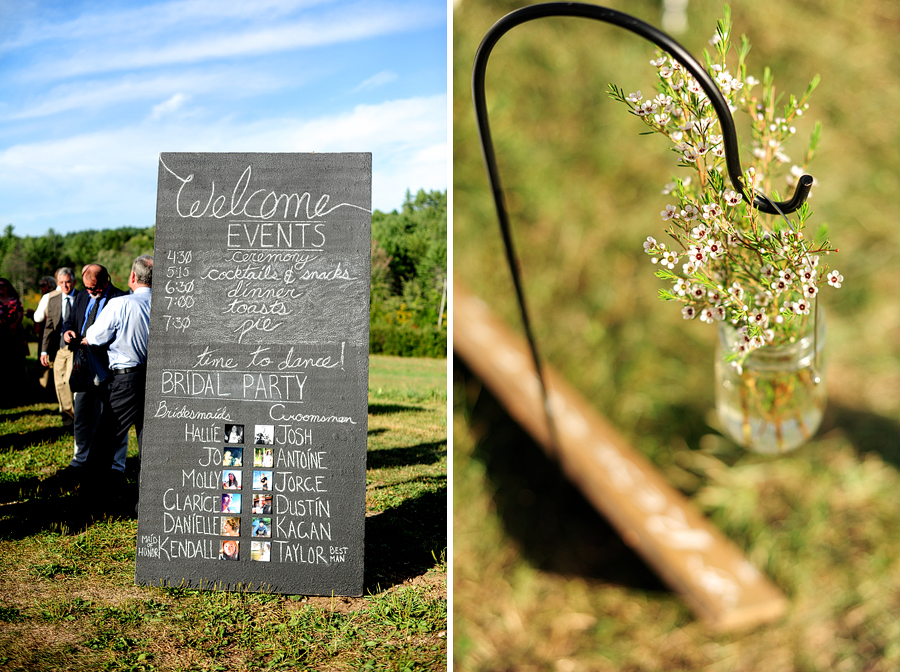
{"points": [[775, 403]]}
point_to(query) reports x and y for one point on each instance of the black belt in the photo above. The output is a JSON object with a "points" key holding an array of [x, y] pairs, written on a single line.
{"points": [[133, 369]]}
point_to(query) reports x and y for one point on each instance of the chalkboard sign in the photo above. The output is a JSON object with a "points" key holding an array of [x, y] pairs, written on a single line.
{"points": [[254, 447]]}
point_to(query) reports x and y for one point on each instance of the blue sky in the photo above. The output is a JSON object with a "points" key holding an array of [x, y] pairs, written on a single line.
{"points": [[92, 92]]}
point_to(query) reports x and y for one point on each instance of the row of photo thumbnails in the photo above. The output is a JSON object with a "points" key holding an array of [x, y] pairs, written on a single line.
{"points": [[234, 457], [259, 550], [262, 434], [262, 504], [261, 526], [231, 479]]}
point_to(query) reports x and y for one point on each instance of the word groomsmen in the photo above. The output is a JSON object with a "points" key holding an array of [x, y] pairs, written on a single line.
{"points": [[53, 349], [88, 381]]}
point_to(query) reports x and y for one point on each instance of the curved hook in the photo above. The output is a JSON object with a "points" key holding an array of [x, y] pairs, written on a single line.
{"points": [[664, 42]]}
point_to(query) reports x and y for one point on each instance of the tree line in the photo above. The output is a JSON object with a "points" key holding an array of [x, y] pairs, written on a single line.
{"points": [[409, 277], [24, 261], [409, 269]]}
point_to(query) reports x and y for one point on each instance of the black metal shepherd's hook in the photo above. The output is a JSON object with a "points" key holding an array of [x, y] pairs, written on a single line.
{"points": [[729, 136]]}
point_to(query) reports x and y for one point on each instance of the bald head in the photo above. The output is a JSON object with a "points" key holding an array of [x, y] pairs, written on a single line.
{"points": [[95, 278]]}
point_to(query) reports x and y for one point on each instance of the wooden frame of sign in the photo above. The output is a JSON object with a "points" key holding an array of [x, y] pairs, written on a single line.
{"points": [[662, 525], [254, 448]]}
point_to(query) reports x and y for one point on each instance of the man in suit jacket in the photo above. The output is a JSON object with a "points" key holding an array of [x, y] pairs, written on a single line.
{"points": [[90, 404], [49, 288], [53, 351]]}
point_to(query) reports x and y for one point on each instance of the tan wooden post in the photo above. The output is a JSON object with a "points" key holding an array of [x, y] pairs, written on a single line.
{"points": [[689, 553]]}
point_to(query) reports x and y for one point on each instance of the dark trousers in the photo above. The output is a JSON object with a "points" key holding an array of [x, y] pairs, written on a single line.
{"points": [[124, 408], [107, 489]]}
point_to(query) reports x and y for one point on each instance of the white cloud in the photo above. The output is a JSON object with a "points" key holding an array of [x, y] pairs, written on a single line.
{"points": [[93, 92], [102, 94], [157, 48], [169, 106], [379, 79], [152, 19], [424, 168], [108, 179], [399, 122]]}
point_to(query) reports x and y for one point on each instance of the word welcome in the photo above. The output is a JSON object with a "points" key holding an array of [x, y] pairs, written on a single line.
{"points": [[261, 204]]}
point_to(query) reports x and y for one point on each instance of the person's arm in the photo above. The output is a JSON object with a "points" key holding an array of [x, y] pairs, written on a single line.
{"points": [[18, 314], [50, 330], [103, 330], [41, 313], [68, 330]]}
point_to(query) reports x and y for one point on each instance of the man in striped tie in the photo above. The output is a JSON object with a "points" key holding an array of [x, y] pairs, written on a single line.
{"points": [[89, 399]]}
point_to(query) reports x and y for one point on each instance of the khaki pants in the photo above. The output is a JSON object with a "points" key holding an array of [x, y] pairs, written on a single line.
{"points": [[46, 379], [62, 369]]}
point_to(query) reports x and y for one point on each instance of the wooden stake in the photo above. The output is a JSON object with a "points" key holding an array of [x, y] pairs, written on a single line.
{"points": [[690, 554]]}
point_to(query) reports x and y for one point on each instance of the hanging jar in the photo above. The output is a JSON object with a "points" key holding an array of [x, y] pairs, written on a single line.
{"points": [[775, 400]]}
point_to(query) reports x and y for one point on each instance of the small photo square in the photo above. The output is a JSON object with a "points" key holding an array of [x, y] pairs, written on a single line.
{"points": [[230, 550], [263, 457], [264, 435], [231, 503], [234, 433], [231, 479], [232, 457], [260, 550], [262, 480], [262, 527], [262, 504], [231, 526]]}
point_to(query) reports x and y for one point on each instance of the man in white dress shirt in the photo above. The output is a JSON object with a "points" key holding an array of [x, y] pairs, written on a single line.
{"points": [[124, 327]]}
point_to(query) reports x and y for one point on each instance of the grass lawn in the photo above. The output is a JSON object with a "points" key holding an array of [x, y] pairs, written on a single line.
{"points": [[68, 599]]}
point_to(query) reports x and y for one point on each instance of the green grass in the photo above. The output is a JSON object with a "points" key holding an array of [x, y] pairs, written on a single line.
{"points": [[540, 580], [407, 378], [67, 594]]}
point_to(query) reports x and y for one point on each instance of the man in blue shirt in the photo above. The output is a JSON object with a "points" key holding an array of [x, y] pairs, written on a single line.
{"points": [[124, 328]]}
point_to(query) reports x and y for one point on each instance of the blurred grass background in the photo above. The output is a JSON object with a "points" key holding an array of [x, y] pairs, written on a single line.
{"points": [[541, 582]]}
